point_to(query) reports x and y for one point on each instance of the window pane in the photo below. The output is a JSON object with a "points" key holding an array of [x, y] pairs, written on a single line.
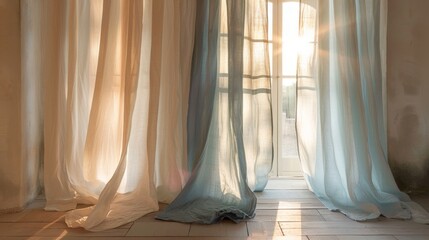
{"points": [[270, 35], [290, 37], [289, 143], [270, 21]]}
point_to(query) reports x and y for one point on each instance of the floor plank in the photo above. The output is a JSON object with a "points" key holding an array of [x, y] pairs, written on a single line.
{"points": [[281, 214]]}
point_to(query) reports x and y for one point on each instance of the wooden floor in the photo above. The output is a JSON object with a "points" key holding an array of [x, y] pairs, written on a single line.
{"points": [[292, 213]]}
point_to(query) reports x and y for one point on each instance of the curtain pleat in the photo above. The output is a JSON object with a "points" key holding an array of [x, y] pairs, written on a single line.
{"points": [[176, 27], [204, 75], [54, 73], [256, 89], [115, 149]]}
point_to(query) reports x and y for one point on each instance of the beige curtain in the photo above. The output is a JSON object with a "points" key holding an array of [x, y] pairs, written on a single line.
{"points": [[172, 48], [115, 76]]}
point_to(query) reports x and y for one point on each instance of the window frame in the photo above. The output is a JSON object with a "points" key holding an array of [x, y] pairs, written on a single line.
{"points": [[279, 162]]}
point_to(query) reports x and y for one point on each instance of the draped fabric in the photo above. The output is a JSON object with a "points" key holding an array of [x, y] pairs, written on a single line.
{"points": [[229, 119], [172, 48], [101, 118], [340, 122], [138, 109], [116, 77]]}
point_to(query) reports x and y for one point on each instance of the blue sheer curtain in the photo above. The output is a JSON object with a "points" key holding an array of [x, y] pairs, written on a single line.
{"points": [[341, 132], [229, 101], [203, 78]]}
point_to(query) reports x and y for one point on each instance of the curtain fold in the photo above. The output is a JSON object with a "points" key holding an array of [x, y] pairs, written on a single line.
{"points": [[116, 80], [257, 108], [229, 118], [59, 195], [175, 46], [205, 199], [229, 101], [122, 82], [203, 78], [340, 122]]}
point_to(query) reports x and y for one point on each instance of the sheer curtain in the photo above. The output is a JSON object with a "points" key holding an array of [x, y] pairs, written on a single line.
{"points": [[229, 119], [171, 61], [340, 121], [121, 133], [115, 78], [90, 128]]}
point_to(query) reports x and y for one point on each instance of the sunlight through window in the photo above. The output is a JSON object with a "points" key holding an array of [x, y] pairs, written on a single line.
{"points": [[291, 41]]}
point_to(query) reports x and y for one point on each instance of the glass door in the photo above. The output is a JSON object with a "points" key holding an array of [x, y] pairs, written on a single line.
{"points": [[283, 20]]}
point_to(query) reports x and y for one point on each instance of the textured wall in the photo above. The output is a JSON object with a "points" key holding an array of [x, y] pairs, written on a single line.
{"points": [[10, 101], [408, 92]]}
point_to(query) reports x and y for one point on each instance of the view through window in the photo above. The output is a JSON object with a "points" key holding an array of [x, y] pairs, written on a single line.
{"points": [[285, 44]]}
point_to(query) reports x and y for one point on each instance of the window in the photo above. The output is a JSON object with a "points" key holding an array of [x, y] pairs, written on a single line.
{"points": [[286, 44]]}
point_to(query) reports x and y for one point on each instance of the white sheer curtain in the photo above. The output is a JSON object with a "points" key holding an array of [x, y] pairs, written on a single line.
{"points": [[340, 122], [108, 68]]}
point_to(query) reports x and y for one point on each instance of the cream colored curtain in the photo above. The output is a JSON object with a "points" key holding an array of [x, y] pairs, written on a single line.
{"points": [[171, 67], [115, 78]]}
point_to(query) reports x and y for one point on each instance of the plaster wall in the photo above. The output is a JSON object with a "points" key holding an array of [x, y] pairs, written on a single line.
{"points": [[10, 102], [408, 93]]}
